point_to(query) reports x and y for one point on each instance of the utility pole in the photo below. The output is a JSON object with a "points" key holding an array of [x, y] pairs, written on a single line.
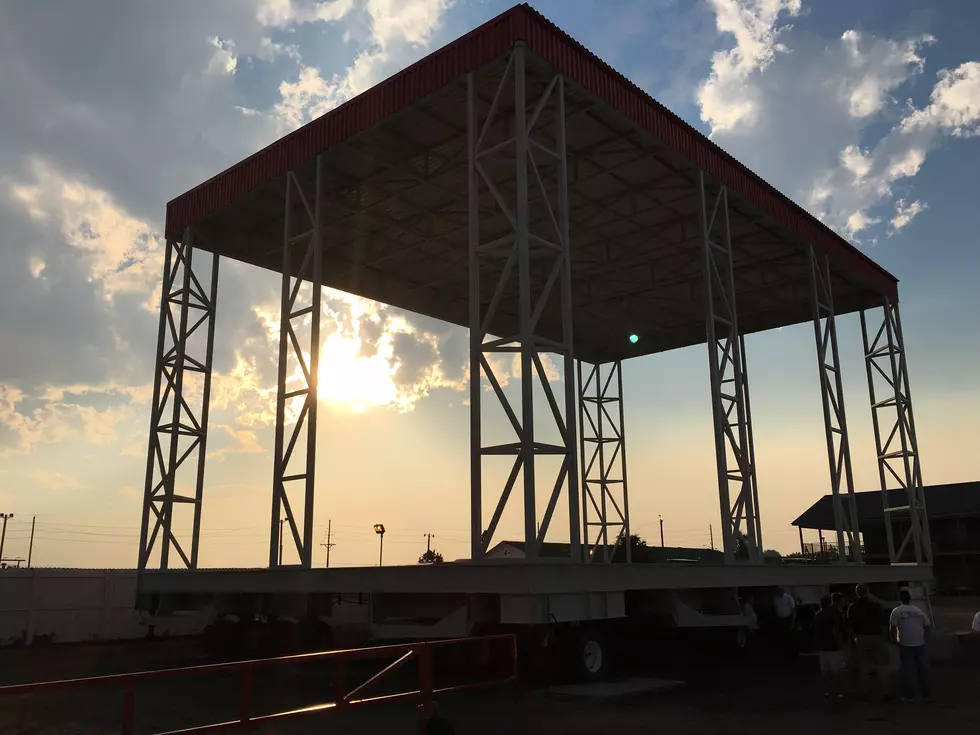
{"points": [[280, 540], [428, 541], [661, 531], [711, 534], [328, 544], [30, 549], [3, 535]]}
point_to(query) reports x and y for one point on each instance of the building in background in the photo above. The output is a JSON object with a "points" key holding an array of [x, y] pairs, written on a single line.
{"points": [[954, 525]]}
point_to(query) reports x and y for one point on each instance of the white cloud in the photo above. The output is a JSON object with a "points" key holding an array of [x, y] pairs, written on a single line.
{"points": [[52, 422], [726, 97], [954, 106], [124, 253], [224, 60], [806, 112], [397, 31], [289, 12], [905, 212], [880, 66], [865, 180], [396, 20]]}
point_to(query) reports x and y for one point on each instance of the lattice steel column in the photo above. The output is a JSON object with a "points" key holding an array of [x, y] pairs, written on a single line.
{"points": [[519, 171], [834, 416], [296, 399], [898, 453], [603, 450], [728, 385], [179, 412]]}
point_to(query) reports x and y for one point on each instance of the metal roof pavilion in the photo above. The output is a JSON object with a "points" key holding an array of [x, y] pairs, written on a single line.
{"points": [[513, 183], [396, 185]]}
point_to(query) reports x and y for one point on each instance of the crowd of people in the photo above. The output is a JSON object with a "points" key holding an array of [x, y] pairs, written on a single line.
{"points": [[860, 645]]}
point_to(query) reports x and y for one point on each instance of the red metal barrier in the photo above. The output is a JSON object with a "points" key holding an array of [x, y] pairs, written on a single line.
{"points": [[343, 697]]}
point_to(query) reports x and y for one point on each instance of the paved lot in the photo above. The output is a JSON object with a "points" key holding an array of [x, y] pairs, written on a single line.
{"points": [[718, 697]]}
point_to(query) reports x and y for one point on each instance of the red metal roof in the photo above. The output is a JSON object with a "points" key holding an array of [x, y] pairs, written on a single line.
{"points": [[478, 47]]}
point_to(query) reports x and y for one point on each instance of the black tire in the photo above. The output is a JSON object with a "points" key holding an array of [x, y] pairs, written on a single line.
{"points": [[591, 655]]}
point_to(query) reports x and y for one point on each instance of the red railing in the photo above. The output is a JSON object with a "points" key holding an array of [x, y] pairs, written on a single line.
{"points": [[343, 697]]}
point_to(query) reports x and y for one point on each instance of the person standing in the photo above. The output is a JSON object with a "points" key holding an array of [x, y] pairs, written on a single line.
{"points": [[909, 626], [866, 621], [828, 635], [784, 606]]}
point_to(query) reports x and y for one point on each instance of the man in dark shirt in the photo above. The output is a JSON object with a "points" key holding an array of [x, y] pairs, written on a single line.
{"points": [[828, 635], [866, 620]]}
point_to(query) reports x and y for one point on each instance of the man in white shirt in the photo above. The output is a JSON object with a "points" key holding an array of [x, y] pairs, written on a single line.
{"points": [[908, 626], [784, 606], [976, 623]]}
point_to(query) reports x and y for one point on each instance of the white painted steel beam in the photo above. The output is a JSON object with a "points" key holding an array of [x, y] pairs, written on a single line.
{"points": [[533, 255]]}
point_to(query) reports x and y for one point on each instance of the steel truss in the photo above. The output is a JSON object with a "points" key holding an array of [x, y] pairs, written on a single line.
{"points": [[897, 451], [179, 412], [296, 398], [603, 450], [729, 385], [514, 142], [835, 420]]}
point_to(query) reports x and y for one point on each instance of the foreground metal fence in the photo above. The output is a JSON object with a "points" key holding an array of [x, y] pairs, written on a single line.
{"points": [[344, 696]]}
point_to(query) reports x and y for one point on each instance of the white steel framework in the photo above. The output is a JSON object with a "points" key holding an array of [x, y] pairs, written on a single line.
{"points": [[179, 412], [834, 415], [602, 432], [518, 169], [897, 451], [296, 398], [729, 392]]}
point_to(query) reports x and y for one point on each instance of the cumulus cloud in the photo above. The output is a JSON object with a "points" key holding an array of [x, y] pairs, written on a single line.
{"points": [[398, 32], [954, 105], [726, 97], [807, 113], [878, 67], [905, 212], [847, 196], [51, 422], [123, 253]]}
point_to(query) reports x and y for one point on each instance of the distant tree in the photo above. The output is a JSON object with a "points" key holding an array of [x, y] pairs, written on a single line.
{"points": [[431, 556], [636, 543], [771, 555]]}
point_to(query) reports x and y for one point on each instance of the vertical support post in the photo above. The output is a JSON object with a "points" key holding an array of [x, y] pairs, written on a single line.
{"points": [[185, 307], [308, 220], [528, 348], [568, 372], [728, 383], [832, 397], [475, 330], [897, 455], [603, 433], [753, 477], [180, 345], [527, 222]]}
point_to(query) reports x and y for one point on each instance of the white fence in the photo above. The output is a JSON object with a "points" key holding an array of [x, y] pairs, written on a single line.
{"points": [[72, 605]]}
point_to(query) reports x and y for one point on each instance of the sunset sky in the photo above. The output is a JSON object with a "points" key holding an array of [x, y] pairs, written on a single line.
{"points": [[866, 113]]}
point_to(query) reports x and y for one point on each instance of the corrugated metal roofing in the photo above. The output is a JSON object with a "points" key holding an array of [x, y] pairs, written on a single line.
{"points": [[482, 45], [955, 499]]}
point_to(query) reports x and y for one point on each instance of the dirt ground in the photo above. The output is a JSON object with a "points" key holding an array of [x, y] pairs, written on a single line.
{"points": [[754, 695]]}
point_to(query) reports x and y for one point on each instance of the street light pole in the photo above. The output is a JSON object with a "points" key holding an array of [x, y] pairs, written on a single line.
{"points": [[379, 528], [3, 535]]}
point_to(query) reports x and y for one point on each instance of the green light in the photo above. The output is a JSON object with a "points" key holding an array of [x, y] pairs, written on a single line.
{"points": [[634, 338]]}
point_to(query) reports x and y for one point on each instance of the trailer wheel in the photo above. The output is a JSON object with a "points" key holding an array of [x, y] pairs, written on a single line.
{"points": [[591, 654]]}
